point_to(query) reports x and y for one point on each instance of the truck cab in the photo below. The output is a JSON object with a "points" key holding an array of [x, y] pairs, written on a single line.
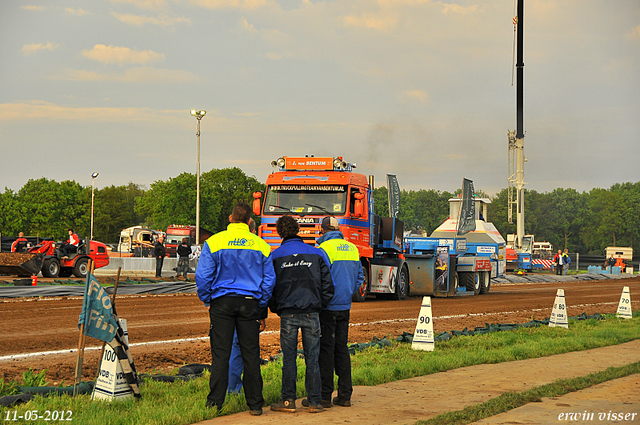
{"points": [[311, 188]]}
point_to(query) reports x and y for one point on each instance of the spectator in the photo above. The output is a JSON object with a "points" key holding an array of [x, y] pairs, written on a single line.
{"points": [[346, 270], [566, 260], [303, 288], [235, 361], [235, 279], [183, 251], [159, 252], [611, 261], [557, 260]]}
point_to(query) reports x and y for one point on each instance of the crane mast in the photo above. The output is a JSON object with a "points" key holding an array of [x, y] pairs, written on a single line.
{"points": [[516, 138]]}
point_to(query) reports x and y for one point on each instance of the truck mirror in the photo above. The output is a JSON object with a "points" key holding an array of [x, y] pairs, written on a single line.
{"points": [[256, 202], [358, 206]]}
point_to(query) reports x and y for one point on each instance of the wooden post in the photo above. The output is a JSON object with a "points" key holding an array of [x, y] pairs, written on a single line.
{"points": [[81, 342], [113, 303]]}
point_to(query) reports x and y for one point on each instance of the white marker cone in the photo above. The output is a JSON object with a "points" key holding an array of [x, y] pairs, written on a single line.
{"points": [[559, 313], [624, 306], [423, 336], [111, 384]]}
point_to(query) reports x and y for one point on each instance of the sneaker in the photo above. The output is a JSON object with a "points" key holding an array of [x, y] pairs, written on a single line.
{"points": [[316, 409], [256, 412], [284, 406], [325, 403], [341, 402]]}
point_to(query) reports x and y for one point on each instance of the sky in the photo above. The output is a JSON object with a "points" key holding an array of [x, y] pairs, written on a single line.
{"points": [[418, 88]]}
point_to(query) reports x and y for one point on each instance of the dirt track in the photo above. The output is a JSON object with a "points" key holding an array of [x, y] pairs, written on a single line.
{"points": [[36, 325]]}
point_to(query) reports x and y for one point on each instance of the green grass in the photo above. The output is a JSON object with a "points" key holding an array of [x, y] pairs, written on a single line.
{"points": [[513, 400], [183, 402]]}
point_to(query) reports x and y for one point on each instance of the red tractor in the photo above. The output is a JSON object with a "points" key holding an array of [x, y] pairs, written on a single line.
{"points": [[46, 257]]}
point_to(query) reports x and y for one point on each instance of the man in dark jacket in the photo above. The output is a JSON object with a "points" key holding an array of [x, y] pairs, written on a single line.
{"points": [[159, 251], [303, 288], [346, 270], [184, 251]]}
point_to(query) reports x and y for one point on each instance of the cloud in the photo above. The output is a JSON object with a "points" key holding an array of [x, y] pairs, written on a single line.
{"points": [[46, 110], [246, 25], [456, 8], [77, 12], [137, 20], [34, 8], [145, 4], [135, 75], [121, 55], [230, 4], [635, 33], [419, 95], [383, 23], [31, 49]]}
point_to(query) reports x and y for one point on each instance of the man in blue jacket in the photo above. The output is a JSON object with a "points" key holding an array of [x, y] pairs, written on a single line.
{"points": [[303, 288], [346, 270], [235, 279]]}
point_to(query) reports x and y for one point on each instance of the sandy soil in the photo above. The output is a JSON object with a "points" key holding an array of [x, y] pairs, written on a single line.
{"points": [[50, 324]]}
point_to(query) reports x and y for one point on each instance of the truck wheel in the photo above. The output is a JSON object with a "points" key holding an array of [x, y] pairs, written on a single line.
{"points": [[402, 285], [470, 281], [361, 293], [486, 282], [51, 267], [477, 284], [81, 267]]}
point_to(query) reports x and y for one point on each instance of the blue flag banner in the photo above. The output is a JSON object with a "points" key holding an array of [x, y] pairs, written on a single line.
{"points": [[467, 220], [96, 312]]}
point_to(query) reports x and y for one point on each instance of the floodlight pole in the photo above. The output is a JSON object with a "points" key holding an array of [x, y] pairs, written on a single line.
{"points": [[93, 187], [199, 115]]}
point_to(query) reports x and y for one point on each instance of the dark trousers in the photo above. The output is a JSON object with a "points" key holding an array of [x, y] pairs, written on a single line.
{"points": [[67, 249], [334, 353], [558, 268], [159, 261], [240, 314], [183, 266]]}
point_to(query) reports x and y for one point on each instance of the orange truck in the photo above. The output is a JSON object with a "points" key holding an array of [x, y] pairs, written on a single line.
{"points": [[311, 188]]}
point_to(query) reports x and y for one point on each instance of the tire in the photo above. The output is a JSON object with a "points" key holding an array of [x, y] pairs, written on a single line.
{"points": [[51, 267], [471, 281], [81, 268], [485, 278], [402, 285], [455, 277], [361, 293]]}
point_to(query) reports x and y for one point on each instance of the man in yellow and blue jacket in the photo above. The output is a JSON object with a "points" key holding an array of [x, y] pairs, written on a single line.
{"points": [[347, 274], [235, 279]]}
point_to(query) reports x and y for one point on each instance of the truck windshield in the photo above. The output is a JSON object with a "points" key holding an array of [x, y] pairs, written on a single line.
{"points": [[301, 199], [175, 239]]}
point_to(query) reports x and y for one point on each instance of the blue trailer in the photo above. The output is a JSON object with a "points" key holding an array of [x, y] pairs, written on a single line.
{"points": [[445, 265]]}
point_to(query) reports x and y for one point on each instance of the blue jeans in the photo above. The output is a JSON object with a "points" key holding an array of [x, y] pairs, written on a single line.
{"points": [[309, 323], [235, 367]]}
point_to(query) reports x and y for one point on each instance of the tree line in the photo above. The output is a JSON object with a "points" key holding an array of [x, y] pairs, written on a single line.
{"points": [[584, 222]]}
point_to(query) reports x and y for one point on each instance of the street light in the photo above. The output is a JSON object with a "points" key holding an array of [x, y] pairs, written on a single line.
{"points": [[93, 186], [199, 115]]}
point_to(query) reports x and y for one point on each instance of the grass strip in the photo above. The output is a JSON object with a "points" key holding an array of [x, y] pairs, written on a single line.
{"points": [[184, 402], [512, 400]]}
